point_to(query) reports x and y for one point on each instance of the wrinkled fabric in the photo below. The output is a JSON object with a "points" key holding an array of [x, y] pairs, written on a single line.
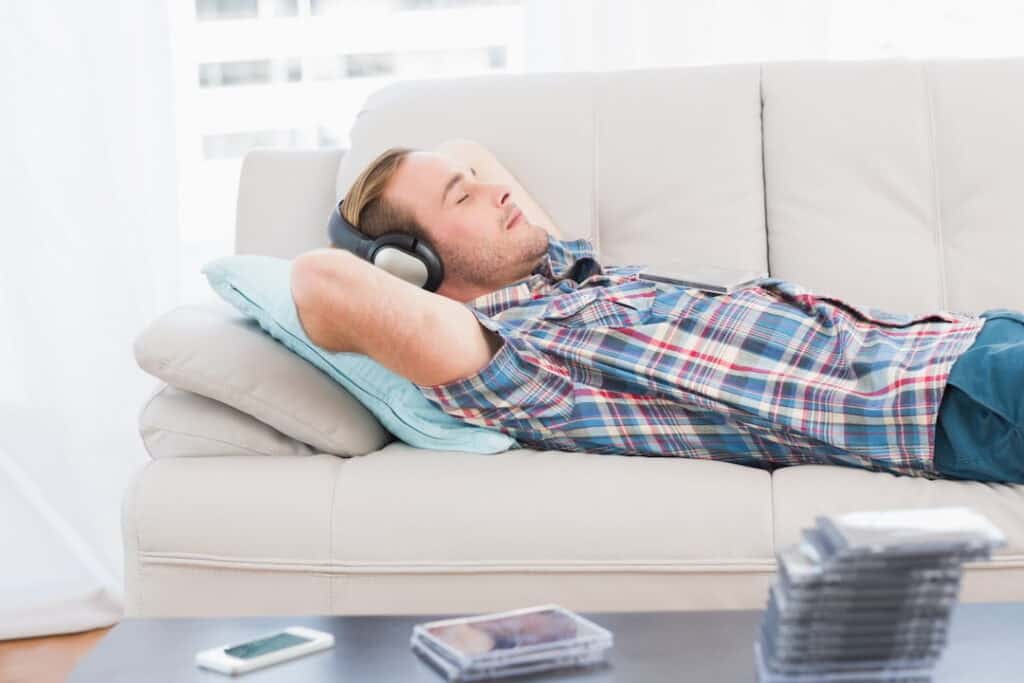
{"points": [[596, 359]]}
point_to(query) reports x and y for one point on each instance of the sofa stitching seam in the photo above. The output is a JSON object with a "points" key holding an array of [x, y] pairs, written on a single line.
{"points": [[936, 198], [764, 172], [997, 562], [771, 509], [595, 207], [454, 567]]}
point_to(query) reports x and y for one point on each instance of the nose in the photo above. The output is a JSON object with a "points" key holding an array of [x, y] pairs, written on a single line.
{"points": [[502, 195]]}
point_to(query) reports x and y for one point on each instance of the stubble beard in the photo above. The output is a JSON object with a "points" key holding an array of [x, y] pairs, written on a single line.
{"points": [[494, 267]]}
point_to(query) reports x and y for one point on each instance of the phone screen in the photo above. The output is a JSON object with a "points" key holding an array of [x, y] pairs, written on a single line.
{"points": [[255, 648]]}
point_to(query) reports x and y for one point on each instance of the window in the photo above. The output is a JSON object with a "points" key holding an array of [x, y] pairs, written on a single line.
{"points": [[324, 7], [428, 63], [226, 9], [497, 56], [319, 8], [325, 67], [286, 8], [326, 136], [257, 72], [234, 73], [404, 64], [361, 66], [449, 4]]}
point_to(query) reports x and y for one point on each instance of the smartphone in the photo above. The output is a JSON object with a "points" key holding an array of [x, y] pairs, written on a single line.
{"points": [[280, 646]]}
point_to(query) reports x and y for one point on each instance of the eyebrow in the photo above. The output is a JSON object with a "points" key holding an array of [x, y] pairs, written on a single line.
{"points": [[451, 183]]}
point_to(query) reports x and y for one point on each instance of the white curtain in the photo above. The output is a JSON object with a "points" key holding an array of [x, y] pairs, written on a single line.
{"points": [[88, 256]]}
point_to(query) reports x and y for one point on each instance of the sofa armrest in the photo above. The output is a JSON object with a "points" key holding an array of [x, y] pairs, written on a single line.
{"points": [[216, 352], [284, 199], [177, 423]]}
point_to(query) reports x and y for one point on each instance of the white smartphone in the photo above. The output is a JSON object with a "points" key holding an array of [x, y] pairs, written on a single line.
{"points": [[280, 646]]}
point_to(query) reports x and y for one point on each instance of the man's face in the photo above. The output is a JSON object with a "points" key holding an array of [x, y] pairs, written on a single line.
{"points": [[480, 234]]}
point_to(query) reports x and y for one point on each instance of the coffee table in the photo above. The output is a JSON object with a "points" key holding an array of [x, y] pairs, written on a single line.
{"points": [[986, 644]]}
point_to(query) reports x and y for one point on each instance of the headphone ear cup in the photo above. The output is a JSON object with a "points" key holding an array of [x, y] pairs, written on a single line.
{"points": [[418, 264], [435, 267], [402, 264]]}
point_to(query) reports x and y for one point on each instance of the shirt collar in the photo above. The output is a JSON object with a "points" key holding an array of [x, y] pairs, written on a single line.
{"points": [[548, 271]]}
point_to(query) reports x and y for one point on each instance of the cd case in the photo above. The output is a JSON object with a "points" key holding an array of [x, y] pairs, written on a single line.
{"points": [[868, 596], [510, 643]]}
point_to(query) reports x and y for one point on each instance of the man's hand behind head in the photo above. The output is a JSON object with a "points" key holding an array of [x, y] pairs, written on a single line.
{"points": [[346, 304]]}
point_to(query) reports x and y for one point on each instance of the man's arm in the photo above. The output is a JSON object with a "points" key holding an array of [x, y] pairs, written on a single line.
{"points": [[490, 170], [347, 304]]}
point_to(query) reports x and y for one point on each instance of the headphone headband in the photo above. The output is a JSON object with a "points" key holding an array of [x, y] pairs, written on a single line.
{"points": [[399, 253]]}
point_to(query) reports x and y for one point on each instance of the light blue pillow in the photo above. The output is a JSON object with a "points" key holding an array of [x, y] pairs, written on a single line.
{"points": [[259, 287]]}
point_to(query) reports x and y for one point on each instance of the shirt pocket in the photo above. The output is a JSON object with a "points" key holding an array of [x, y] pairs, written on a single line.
{"points": [[623, 305]]}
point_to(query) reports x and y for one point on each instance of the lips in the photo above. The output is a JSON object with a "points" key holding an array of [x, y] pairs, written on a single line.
{"points": [[516, 215]]}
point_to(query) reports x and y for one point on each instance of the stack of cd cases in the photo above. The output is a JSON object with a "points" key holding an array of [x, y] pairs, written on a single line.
{"points": [[511, 643], [867, 596]]}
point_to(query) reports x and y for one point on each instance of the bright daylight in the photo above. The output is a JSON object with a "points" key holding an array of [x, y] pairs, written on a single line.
{"points": [[539, 340]]}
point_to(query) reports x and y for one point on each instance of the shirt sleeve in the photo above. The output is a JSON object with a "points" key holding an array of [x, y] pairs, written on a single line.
{"points": [[522, 388]]}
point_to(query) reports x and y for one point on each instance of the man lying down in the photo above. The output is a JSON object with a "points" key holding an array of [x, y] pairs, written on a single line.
{"points": [[532, 335]]}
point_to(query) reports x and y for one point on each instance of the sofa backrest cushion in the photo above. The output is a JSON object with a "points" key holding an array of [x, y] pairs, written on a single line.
{"points": [[893, 183], [647, 163], [897, 183]]}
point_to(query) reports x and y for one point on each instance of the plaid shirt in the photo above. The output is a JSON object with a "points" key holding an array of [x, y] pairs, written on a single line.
{"points": [[596, 359]]}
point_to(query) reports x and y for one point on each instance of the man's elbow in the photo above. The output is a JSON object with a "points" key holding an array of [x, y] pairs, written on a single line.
{"points": [[315, 284]]}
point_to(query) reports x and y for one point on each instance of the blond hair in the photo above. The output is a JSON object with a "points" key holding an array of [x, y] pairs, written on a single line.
{"points": [[366, 207]]}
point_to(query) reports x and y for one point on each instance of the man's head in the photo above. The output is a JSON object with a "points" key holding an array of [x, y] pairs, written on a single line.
{"points": [[480, 235]]}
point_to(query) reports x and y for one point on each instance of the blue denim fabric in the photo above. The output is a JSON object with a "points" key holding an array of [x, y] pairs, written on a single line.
{"points": [[980, 429]]}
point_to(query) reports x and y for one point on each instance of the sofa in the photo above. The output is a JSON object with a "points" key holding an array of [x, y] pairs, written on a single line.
{"points": [[895, 183]]}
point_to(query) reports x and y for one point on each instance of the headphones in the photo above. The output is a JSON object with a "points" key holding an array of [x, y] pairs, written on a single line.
{"points": [[402, 255]]}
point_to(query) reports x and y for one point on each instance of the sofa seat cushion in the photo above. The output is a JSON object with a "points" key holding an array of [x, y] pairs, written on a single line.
{"points": [[403, 509], [550, 509], [804, 492]]}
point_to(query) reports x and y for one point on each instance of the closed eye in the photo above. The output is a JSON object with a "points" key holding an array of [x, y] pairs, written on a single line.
{"points": [[473, 171]]}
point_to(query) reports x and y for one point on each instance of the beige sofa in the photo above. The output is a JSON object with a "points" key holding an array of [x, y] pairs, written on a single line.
{"points": [[896, 184]]}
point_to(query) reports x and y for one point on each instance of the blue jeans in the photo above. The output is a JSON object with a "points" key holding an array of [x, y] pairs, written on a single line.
{"points": [[980, 429]]}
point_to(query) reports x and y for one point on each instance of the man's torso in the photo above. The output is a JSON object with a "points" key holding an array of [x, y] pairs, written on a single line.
{"points": [[596, 359]]}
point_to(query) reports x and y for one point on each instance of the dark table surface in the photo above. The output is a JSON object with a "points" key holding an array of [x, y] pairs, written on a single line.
{"points": [[986, 644]]}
